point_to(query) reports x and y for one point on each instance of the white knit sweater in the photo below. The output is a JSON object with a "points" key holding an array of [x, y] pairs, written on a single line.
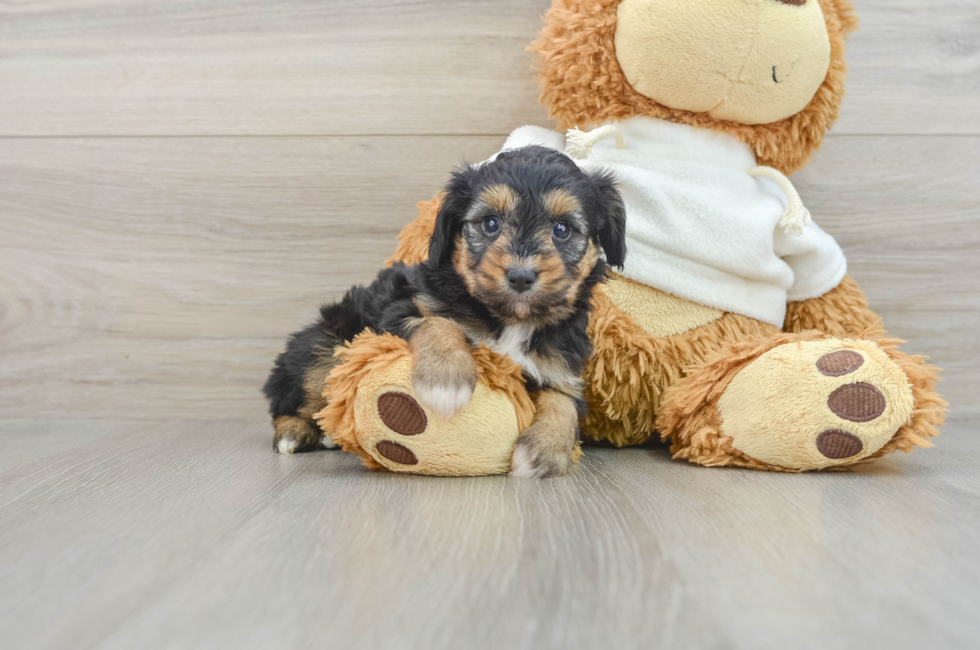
{"points": [[699, 226]]}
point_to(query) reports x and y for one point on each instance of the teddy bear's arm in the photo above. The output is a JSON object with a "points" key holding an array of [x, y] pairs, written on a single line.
{"points": [[413, 240], [842, 312]]}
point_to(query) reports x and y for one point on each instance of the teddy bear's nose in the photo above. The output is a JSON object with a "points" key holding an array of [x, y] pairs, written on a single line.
{"points": [[795, 3]]}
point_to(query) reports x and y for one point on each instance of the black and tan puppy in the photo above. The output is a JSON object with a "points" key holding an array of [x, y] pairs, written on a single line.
{"points": [[512, 263]]}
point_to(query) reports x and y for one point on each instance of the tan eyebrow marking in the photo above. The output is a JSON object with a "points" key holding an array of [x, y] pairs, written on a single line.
{"points": [[501, 198], [559, 202]]}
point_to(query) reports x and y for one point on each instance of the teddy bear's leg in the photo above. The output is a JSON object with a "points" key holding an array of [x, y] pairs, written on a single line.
{"points": [[413, 240], [843, 312], [801, 402], [644, 341], [373, 409]]}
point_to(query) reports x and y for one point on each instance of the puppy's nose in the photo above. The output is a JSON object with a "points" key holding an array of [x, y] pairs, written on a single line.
{"points": [[520, 280]]}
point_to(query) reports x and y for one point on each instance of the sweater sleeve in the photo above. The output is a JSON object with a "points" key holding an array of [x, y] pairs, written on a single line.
{"points": [[816, 259]]}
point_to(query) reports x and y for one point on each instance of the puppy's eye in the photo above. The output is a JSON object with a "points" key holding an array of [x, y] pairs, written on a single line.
{"points": [[561, 231], [491, 225]]}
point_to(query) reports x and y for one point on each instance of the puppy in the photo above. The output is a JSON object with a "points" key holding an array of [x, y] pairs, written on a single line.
{"points": [[515, 254]]}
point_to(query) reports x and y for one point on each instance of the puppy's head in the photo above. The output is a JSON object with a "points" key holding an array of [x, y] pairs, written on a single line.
{"points": [[526, 231]]}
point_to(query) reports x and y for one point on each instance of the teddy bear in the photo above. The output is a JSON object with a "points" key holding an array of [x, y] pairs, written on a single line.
{"points": [[733, 332]]}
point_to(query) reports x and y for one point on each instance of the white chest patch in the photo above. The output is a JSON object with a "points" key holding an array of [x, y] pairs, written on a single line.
{"points": [[512, 342]]}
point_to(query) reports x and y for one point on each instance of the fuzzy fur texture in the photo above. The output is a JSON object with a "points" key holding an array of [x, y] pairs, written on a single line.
{"points": [[583, 85], [658, 313], [691, 421], [369, 358], [513, 256], [413, 240], [629, 369], [638, 383], [842, 312]]}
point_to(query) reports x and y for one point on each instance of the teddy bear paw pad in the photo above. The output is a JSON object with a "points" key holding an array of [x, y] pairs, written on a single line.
{"points": [[838, 445], [401, 413], [859, 402], [815, 404], [397, 453], [840, 363], [401, 434]]}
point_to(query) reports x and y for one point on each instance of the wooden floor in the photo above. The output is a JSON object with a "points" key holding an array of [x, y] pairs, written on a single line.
{"points": [[156, 534], [182, 182]]}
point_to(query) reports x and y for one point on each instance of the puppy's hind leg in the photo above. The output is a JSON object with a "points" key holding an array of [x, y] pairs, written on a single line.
{"points": [[295, 434], [294, 391]]}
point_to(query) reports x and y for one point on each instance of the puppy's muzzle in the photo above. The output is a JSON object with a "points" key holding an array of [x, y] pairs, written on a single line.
{"points": [[520, 279]]}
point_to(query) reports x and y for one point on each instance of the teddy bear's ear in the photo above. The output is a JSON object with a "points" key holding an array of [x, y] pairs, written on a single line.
{"points": [[610, 216], [449, 220]]}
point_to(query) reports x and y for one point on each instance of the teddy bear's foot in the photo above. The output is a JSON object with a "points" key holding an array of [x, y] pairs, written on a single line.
{"points": [[403, 434], [375, 411], [816, 404], [806, 402]]}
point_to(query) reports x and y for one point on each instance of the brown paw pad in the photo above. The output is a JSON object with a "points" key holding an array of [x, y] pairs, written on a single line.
{"points": [[402, 414], [836, 444], [397, 453], [840, 363], [859, 402]]}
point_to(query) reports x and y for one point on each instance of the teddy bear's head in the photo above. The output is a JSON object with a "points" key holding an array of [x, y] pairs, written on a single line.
{"points": [[770, 72]]}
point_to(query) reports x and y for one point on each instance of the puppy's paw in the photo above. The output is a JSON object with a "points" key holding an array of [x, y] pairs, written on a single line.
{"points": [[445, 382], [296, 435], [542, 453], [445, 399]]}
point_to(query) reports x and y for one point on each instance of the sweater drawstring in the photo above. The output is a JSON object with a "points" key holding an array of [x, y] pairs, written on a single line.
{"points": [[796, 217], [578, 144]]}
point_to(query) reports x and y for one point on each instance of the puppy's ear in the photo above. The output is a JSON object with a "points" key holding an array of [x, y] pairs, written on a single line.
{"points": [[449, 220], [610, 218]]}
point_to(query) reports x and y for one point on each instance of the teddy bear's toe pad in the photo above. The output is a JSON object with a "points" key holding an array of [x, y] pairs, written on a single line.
{"points": [[836, 444], [397, 453], [401, 413], [859, 402], [840, 363], [814, 404]]}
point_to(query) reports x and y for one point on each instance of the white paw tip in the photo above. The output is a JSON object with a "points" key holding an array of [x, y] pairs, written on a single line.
{"points": [[287, 446], [328, 443], [521, 465], [446, 400]]}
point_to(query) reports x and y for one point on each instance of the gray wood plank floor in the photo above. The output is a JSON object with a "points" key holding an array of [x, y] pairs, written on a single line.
{"points": [[146, 534], [181, 183]]}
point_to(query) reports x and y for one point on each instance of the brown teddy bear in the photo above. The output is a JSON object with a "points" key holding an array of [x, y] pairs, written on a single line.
{"points": [[733, 330]]}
